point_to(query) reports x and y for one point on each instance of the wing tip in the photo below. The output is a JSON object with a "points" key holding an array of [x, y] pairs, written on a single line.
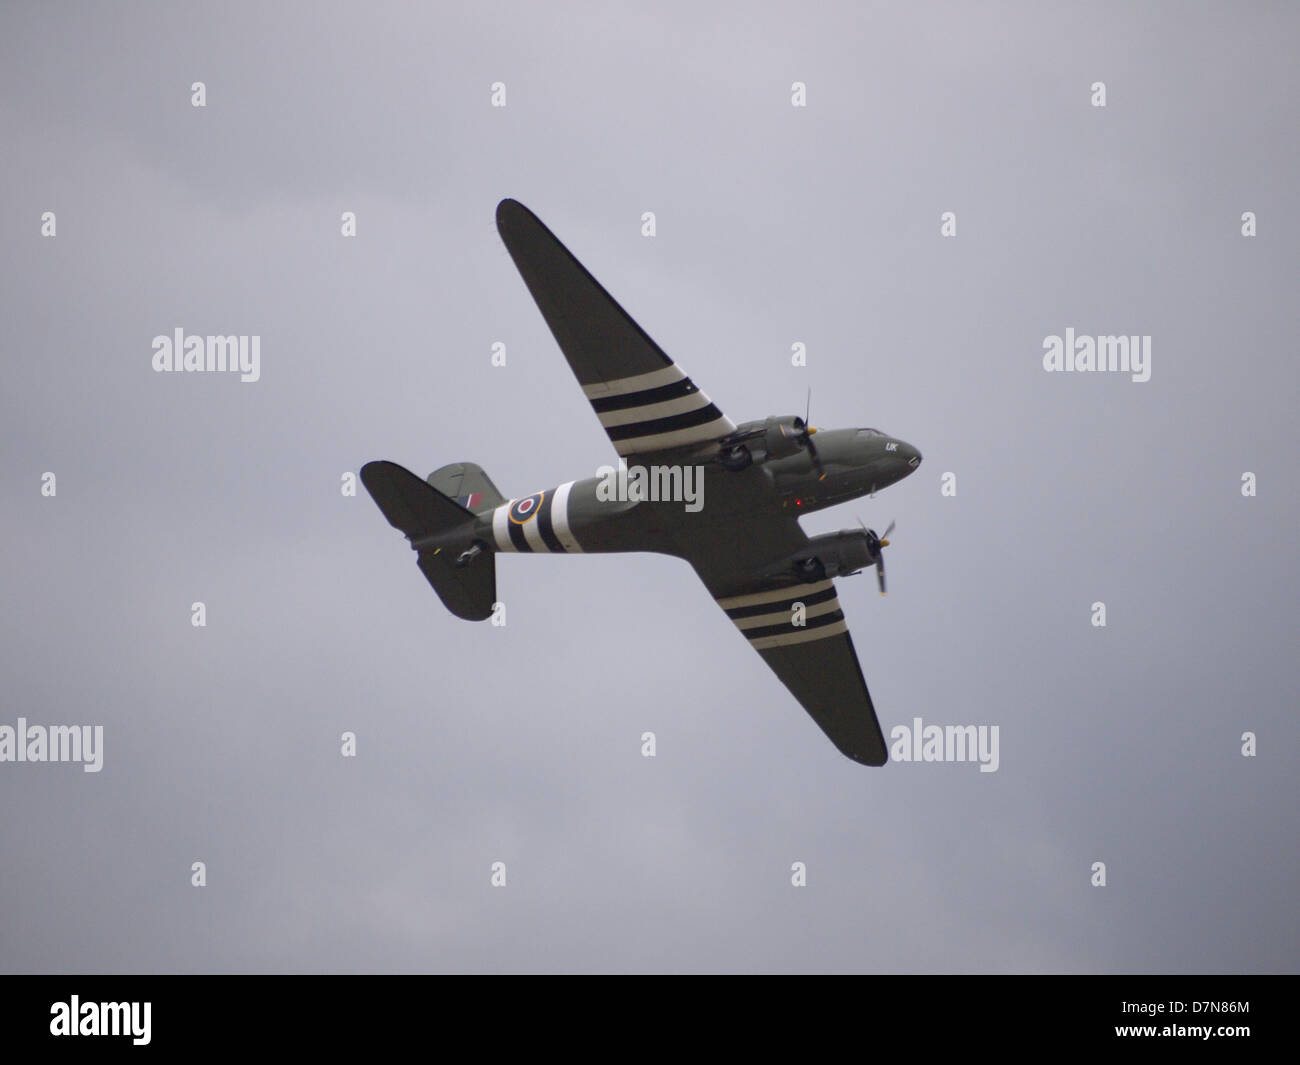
{"points": [[379, 472], [509, 210], [865, 750]]}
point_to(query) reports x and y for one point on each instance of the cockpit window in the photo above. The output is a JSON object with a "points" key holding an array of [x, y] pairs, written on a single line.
{"points": [[870, 432]]}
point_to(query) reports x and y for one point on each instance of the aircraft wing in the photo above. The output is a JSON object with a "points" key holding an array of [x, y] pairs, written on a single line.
{"points": [[815, 660], [643, 400]]}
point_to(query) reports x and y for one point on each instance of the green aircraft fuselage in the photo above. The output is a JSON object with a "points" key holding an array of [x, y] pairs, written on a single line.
{"points": [[656, 514], [701, 505]]}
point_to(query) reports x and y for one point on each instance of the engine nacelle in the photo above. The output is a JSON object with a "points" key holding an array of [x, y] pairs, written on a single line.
{"points": [[781, 437], [831, 555]]}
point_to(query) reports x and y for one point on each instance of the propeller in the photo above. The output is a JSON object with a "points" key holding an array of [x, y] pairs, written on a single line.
{"points": [[805, 434], [732, 454], [875, 544]]}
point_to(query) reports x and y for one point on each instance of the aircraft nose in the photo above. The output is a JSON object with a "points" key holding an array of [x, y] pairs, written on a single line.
{"points": [[908, 454]]}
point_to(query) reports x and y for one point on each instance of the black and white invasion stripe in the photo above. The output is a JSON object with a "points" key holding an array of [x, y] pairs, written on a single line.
{"points": [[546, 531], [655, 411], [766, 618]]}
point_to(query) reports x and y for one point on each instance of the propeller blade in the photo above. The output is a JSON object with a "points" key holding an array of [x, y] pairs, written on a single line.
{"points": [[805, 433], [877, 544], [812, 454]]}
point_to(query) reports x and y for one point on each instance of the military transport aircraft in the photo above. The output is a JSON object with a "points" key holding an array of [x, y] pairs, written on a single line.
{"points": [[742, 537]]}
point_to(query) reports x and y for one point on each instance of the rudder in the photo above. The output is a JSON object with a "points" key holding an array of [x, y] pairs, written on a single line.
{"points": [[468, 485]]}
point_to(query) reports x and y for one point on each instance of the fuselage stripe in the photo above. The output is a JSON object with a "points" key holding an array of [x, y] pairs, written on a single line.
{"points": [[518, 537], [560, 519], [545, 526], [500, 523], [533, 530]]}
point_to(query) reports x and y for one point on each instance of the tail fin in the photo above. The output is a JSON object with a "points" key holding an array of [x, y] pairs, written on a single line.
{"points": [[439, 528], [468, 485]]}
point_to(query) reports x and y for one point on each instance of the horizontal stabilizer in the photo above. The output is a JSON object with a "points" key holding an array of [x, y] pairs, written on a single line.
{"points": [[409, 504], [420, 511], [470, 591]]}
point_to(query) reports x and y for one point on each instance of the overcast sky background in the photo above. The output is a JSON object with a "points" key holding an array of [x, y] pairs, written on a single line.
{"points": [[522, 744]]}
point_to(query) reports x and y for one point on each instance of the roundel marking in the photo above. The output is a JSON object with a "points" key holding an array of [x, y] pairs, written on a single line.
{"points": [[524, 510]]}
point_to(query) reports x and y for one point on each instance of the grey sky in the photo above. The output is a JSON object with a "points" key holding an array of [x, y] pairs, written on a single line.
{"points": [[521, 744]]}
